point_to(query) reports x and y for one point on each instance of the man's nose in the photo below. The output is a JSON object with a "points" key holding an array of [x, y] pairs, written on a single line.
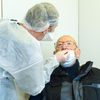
{"points": [[64, 47]]}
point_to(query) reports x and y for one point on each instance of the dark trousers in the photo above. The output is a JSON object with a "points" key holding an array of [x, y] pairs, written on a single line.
{"points": [[37, 97]]}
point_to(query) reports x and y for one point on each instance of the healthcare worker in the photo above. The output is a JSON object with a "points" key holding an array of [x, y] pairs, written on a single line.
{"points": [[21, 60]]}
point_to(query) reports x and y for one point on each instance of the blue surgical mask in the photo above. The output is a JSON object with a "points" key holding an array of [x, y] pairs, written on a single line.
{"points": [[70, 59], [48, 37]]}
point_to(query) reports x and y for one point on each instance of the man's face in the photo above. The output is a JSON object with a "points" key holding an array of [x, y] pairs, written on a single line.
{"points": [[66, 42]]}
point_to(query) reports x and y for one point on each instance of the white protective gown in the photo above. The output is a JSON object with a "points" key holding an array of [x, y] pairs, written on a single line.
{"points": [[20, 55]]}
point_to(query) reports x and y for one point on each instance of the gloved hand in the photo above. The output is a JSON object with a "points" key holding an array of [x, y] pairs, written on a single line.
{"points": [[61, 55]]}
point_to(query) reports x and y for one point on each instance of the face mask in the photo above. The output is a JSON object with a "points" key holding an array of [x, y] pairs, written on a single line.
{"points": [[48, 37], [70, 59]]}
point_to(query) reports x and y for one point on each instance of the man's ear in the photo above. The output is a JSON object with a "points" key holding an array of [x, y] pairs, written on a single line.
{"points": [[77, 52]]}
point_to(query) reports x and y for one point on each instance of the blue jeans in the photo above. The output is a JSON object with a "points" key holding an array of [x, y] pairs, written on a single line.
{"points": [[7, 86]]}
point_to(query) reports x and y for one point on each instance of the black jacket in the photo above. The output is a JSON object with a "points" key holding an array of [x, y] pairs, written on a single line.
{"points": [[84, 84]]}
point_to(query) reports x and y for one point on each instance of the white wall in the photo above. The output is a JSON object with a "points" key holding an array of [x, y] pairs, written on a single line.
{"points": [[89, 31], [0, 8]]}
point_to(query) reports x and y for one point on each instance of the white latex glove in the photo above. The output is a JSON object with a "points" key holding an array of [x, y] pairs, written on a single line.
{"points": [[61, 55]]}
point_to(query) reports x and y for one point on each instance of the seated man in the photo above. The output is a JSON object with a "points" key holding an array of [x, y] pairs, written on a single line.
{"points": [[70, 81]]}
